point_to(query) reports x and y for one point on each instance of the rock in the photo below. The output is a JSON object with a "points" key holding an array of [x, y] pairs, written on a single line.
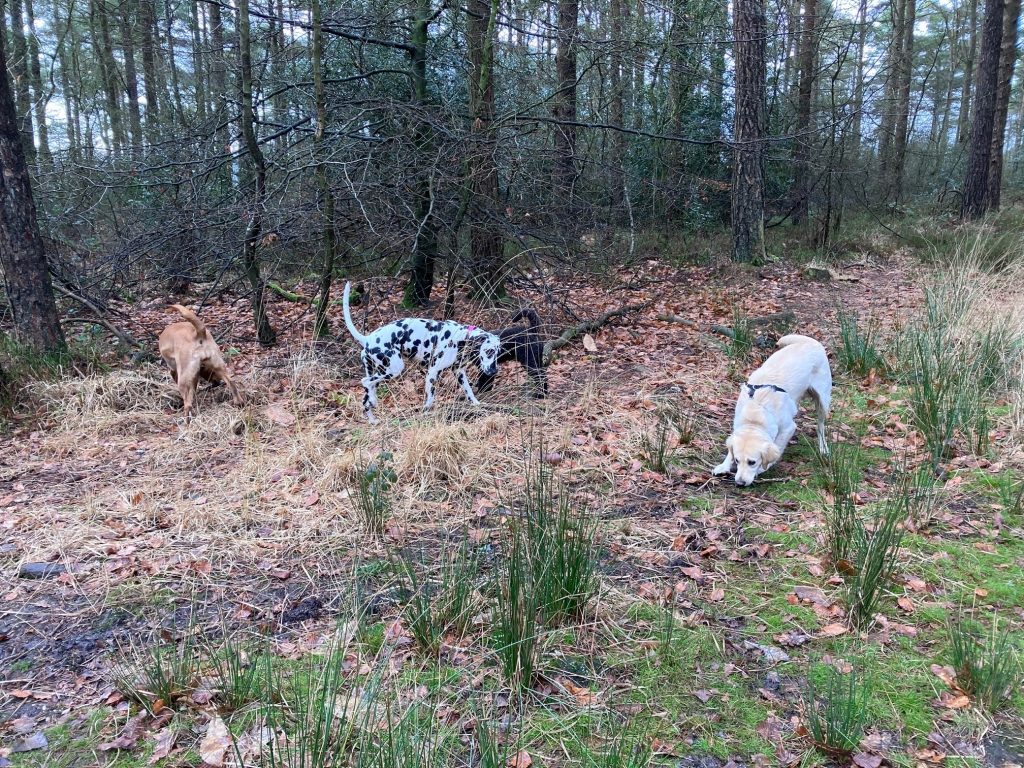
{"points": [[41, 570], [815, 272]]}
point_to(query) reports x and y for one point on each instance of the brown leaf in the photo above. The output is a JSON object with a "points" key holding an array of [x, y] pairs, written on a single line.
{"points": [[945, 674], [704, 696], [129, 737], [520, 759], [278, 414], [864, 760], [953, 700], [916, 585], [163, 745], [905, 603], [591, 346], [833, 630], [981, 592], [215, 743], [694, 573], [717, 595]]}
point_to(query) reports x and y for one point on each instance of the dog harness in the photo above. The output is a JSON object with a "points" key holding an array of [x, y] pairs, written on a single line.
{"points": [[754, 387]]}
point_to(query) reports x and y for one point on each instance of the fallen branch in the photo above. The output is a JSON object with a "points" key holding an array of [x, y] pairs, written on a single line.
{"points": [[285, 294], [588, 326], [124, 337], [783, 318]]}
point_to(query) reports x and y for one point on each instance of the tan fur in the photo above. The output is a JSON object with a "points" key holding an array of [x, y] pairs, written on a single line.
{"points": [[191, 353]]}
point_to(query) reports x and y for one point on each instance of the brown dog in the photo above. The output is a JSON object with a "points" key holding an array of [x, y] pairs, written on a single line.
{"points": [[191, 353]]}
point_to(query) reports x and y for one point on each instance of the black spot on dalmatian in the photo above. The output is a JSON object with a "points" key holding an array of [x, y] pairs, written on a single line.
{"points": [[447, 334]]}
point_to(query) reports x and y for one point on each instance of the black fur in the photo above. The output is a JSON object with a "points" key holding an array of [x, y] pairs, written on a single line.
{"points": [[523, 344]]}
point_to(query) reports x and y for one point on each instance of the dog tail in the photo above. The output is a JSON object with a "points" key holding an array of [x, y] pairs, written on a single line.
{"points": [[796, 338], [360, 339], [527, 314], [193, 318]]}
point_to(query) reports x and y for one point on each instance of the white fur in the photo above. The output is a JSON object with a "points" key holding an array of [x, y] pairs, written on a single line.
{"points": [[764, 421], [438, 344]]}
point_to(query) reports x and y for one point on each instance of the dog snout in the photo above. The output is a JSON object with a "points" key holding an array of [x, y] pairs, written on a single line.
{"points": [[491, 370]]}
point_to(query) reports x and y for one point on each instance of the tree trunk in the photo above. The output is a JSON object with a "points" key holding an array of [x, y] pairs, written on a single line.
{"points": [[147, 23], [964, 120], [750, 30], [131, 77], [22, 255], [250, 261], [485, 241], [975, 198], [617, 193], [565, 101], [64, 33], [172, 64], [856, 129], [40, 101], [218, 86], [321, 326], [198, 63], [108, 72], [1007, 59], [19, 71], [903, 87], [424, 255], [804, 133]]}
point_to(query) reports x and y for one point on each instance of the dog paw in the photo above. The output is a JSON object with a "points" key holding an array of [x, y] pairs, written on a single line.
{"points": [[721, 469]]}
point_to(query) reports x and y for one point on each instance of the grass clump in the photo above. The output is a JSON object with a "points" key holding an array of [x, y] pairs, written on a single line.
{"points": [[874, 555], [656, 446], [840, 476], [836, 713], [859, 352], [373, 500], [559, 532], [515, 615], [239, 672], [741, 340], [156, 677], [440, 604], [986, 669]]}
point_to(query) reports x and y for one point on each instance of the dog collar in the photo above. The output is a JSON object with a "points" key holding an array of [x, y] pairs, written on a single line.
{"points": [[470, 327], [754, 387]]}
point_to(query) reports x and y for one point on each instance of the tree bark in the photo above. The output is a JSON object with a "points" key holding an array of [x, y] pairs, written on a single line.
{"points": [[804, 134], [108, 72], [198, 63], [19, 71], [750, 30], [250, 261], [22, 255], [40, 99], [424, 254], [964, 120], [131, 76], [218, 85], [485, 241], [64, 33], [1007, 60], [904, 74], [565, 100], [975, 197], [321, 326], [618, 79], [147, 24], [856, 129]]}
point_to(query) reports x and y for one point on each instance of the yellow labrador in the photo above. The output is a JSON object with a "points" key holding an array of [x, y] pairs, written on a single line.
{"points": [[764, 422]]}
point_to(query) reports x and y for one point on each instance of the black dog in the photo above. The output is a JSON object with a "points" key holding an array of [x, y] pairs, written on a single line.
{"points": [[523, 344]]}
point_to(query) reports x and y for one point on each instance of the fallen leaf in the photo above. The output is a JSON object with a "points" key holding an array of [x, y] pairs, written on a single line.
{"points": [[129, 737], [591, 346], [215, 743], [704, 696], [520, 759], [30, 743], [278, 414], [916, 585], [163, 745], [864, 760], [833, 630], [905, 603], [694, 573], [717, 595], [945, 674], [981, 592]]}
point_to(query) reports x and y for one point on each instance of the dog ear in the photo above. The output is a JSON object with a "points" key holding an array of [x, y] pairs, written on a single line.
{"points": [[771, 455]]}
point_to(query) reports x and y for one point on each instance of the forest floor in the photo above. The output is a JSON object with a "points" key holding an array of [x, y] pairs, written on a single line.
{"points": [[163, 547]]}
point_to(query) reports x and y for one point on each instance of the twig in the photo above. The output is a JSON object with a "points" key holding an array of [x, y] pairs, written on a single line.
{"points": [[587, 326], [777, 318], [123, 336]]}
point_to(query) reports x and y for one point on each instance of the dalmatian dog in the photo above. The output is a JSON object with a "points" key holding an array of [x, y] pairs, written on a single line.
{"points": [[437, 344]]}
